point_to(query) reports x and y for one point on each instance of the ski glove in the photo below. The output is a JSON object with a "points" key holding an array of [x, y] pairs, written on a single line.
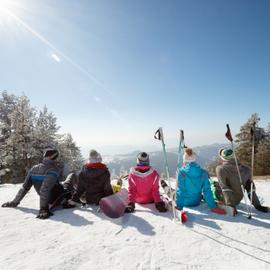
{"points": [[44, 213], [161, 207], [130, 208], [262, 208], [218, 211], [10, 204]]}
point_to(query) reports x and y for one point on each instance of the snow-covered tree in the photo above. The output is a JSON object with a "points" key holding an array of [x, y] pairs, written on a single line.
{"points": [[45, 132], [25, 134], [7, 106], [70, 154], [244, 147], [262, 157], [20, 142]]}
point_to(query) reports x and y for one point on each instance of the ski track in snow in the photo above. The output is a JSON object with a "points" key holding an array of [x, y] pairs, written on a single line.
{"points": [[84, 238]]}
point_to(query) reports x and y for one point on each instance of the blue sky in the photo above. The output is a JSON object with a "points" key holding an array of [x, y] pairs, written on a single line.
{"points": [[114, 71]]}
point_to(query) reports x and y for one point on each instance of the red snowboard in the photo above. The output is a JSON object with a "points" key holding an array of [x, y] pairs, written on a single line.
{"points": [[114, 205]]}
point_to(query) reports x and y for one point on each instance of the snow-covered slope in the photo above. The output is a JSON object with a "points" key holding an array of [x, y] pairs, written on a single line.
{"points": [[86, 239]]}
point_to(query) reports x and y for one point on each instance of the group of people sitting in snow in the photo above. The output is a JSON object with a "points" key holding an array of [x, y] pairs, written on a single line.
{"points": [[93, 182]]}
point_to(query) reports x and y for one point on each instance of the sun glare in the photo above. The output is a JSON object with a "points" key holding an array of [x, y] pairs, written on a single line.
{"points": [[7, 8], [5, 4]]}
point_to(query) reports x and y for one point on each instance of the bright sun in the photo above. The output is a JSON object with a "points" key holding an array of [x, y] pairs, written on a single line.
{"points": [[5, 4], [7, 8]]}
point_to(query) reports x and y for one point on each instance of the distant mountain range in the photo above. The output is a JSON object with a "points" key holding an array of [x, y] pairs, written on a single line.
{"points": [[120, 164]]}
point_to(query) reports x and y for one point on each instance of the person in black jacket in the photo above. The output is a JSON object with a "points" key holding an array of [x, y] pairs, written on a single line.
{"points": [[93, 181], [45, 177]]}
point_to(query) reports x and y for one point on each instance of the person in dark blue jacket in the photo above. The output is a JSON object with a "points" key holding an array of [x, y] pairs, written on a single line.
{"points": [[45, 177], [193, 182]]}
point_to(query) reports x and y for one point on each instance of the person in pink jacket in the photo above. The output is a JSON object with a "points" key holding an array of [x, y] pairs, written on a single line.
{"points": [[143, 183]]}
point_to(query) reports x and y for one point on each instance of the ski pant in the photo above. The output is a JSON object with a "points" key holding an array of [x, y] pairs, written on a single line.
{"points": [[220, 198], [255, 199], [56, 192], [61, 193]]}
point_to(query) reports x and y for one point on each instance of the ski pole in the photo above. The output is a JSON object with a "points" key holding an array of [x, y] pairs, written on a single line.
{"points": [[252, 133], [180, 148], [228, 135], [159, 136]]}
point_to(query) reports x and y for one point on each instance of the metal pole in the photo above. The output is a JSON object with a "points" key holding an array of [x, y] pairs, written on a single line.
{"points": [[167, 172]]}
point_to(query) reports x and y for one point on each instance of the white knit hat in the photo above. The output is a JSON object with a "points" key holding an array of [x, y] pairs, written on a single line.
{"points": [[189, 156]]}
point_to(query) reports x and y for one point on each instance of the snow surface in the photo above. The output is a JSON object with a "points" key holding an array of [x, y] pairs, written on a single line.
{"points": [[85, 239]]}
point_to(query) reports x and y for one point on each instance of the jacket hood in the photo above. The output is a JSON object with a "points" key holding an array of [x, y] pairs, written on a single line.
{"points": [[142, 171], [192, 169], [50, 162], [95, 165], [94, 169]]}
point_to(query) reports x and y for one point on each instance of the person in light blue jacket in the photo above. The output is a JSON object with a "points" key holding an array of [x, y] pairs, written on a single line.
{"points": [[193, 182]]}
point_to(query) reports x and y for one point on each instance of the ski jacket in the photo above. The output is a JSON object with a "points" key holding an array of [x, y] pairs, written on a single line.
{"points": [[94, 181], [193, 181], [45, 179], [143, 185], [230, 183]]}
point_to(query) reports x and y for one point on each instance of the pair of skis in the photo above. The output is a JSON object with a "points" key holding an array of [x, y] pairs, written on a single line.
{"points": [[177, 215]]}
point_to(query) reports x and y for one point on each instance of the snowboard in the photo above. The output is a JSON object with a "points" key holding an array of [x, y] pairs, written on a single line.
{"points": [[114, 206]]}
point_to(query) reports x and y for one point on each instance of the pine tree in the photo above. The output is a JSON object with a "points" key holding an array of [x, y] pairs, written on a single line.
{"points": [[20, 141], [262, 158], [70, 154], [24, 136], [7, 106], [262, 146], [45, 132], [244, 147]]}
